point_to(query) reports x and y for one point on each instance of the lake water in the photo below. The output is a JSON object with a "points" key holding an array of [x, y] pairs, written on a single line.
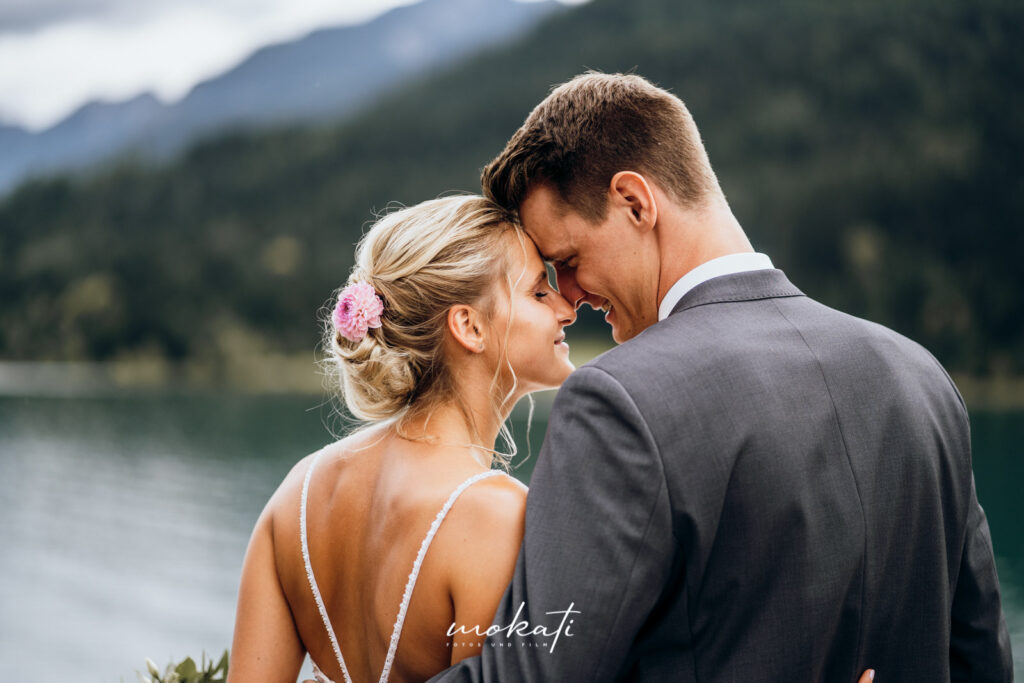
{"points": [[125, 521]]}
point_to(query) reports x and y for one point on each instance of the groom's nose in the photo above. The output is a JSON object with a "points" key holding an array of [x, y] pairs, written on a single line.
{"points": [[569, 288]]}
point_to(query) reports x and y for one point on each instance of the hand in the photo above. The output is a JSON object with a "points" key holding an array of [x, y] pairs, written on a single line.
{"points": [[866, 677]]}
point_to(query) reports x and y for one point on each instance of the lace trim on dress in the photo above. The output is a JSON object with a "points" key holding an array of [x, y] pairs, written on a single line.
{"points": [[309, 572], [411, 583], [396, 633]]}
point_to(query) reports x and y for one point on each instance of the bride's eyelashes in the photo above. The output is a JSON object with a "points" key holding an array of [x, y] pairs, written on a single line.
{"points": [[544, 287]]}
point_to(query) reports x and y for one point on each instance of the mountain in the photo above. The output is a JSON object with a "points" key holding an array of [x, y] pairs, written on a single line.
{"points": [[870, 148], [95, 129], [12, 135], [328, 74]]}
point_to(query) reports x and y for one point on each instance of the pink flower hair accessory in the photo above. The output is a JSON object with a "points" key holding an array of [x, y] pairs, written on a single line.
{"points": [[358, 309]]}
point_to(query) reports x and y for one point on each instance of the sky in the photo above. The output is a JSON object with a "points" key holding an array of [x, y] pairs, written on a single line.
{"points": [[55, 55]]}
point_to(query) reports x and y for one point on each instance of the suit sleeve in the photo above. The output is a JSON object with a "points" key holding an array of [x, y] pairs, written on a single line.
{"points": [[979, 644], [598, 542]]}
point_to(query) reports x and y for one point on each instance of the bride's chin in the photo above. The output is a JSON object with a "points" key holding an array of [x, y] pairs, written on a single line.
{"points": [[546, 385], [567, 370], [550, 380]]}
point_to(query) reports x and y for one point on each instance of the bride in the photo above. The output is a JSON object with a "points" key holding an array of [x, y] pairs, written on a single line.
{"points": [[374, 546]]}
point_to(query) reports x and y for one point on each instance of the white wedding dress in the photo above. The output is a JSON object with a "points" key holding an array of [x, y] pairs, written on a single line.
{"points": [[396, 633]]}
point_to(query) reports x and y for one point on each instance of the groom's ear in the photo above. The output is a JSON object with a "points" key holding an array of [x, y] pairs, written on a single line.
{"points": [[630, 192], [466, 327]]}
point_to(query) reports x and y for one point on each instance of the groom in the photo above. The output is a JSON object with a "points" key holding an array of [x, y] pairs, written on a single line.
{"points": [[753, 486]]}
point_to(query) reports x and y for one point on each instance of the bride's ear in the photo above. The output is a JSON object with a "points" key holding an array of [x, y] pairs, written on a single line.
{"points": [[466, 327]]}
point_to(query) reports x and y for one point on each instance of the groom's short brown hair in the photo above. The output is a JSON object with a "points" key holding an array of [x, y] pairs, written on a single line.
{"points": [[592, 127]]}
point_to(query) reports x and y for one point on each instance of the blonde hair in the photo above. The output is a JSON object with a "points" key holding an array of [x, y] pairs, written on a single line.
{"points": [[421, 260]]}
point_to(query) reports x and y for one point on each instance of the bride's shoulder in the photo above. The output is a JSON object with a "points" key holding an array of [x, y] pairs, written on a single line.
{"points": [[481, 542], [489, 512], [336, 451], [288, 492], [499, 493]]}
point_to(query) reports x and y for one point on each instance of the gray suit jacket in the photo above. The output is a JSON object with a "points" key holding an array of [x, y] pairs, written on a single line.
{"points": [[758, 488]]}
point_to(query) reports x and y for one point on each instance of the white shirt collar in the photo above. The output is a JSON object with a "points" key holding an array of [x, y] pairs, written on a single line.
{"points": [[723, 265]]}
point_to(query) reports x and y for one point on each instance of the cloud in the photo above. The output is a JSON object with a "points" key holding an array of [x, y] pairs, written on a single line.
{"points": [[115, 49], [26, 16]]}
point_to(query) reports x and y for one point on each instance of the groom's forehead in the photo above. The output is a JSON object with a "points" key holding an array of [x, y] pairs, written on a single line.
{"points": [[545, 219], [550, 242]]}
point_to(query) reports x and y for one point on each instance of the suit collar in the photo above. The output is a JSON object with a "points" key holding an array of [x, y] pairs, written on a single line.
{"points": [[748, 286], [740, 262]]}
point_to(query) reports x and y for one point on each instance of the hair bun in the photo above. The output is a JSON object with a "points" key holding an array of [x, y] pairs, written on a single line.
{"points": [[421, 261]]}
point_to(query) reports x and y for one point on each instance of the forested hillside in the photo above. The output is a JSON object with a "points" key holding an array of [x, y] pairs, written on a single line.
{"points": [[873, 149]]}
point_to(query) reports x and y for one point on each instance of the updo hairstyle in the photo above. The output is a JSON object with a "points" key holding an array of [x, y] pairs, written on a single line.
{"points": [[421, 261]]}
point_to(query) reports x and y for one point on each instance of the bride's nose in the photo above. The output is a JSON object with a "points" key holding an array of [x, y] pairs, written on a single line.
{"points": [[565, 311]]}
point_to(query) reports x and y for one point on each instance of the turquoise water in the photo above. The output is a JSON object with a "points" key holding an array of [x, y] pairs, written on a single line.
{"points": [[125, 521]]}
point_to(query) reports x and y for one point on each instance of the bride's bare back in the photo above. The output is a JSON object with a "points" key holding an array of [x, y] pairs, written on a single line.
{"points": [[447, 320], [371, 501]]}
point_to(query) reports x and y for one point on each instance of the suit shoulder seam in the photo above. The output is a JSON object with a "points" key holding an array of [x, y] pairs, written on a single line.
{"points": [[846, 450]]}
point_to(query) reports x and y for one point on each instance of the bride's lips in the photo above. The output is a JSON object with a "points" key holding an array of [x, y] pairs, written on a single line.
{"points": [[561, 341]]}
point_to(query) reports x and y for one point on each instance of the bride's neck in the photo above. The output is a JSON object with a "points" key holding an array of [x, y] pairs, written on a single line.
{"points": [[472, 424], [469, 418]]}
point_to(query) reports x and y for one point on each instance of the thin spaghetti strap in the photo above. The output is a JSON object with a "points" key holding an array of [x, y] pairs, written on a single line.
{"points": [[309, 569], [396, 634]]}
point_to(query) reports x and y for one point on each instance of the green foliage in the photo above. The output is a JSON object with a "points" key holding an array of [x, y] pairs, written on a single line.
{"points": [[871, 148], [187, 672]]}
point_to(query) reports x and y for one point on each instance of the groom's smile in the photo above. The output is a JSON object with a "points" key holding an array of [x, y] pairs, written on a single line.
{"points": [[595, 263]]}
